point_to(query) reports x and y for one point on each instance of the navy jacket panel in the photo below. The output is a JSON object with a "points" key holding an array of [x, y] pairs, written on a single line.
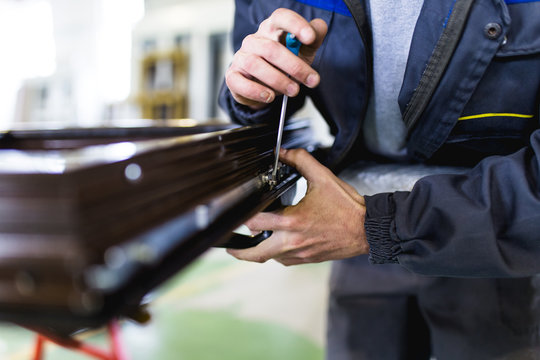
{"points": [[480, 223]]}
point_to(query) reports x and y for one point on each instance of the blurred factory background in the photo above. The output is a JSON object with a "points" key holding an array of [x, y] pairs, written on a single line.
{"points": [[66, 63], [89, 63]]}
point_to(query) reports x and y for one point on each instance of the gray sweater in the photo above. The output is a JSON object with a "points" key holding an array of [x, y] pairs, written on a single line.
{"points": [[392, 23]]}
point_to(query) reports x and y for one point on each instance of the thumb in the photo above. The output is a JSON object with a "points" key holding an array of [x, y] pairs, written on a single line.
{"points": [[306, 164], [308, 51]]}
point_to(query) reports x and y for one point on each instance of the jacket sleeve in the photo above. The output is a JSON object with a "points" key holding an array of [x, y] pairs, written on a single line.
{"points": [[483, 223], [246, 21]]}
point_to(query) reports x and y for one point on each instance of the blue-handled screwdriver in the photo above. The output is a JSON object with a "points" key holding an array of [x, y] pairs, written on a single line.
{"points": [[293, 44]]}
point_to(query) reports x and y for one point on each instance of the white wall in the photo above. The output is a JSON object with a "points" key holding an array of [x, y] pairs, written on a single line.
{"points": [[94, 52], [88, 44], [28, 49]]}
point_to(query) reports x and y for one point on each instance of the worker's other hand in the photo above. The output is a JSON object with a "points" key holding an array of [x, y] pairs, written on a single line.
{"points": [[259, 69], [327, 224]]}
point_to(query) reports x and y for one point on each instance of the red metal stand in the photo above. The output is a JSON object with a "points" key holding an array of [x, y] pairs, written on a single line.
{"points": [[115, 353]]}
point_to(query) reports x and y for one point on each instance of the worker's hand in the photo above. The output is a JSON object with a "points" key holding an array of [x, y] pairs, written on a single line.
{"points": [[258, 71], [328, 223]]}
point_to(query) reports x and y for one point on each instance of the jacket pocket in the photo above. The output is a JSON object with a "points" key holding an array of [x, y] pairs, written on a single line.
{"points": [[503, 110]]}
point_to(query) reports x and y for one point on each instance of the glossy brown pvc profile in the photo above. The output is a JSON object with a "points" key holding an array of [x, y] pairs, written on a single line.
{"points": [[87, 231]]}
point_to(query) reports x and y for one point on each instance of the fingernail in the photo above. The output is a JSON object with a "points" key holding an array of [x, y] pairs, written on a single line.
{"points": [[283, 151], [292, 89], [312, 80], [266, 96]]}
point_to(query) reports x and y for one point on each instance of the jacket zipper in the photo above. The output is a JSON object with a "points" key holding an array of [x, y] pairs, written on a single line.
{"points": [[358, 12], [444, 49]]}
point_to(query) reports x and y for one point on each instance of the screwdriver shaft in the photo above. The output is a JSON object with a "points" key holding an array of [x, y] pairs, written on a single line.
{"points": [[279, 136], [293, 44]]}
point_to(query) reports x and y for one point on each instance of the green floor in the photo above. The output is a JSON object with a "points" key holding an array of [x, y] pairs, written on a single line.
{"points": [[218, 308]]}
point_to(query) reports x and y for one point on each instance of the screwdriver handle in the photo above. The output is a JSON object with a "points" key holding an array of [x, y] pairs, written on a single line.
{"points": [[293, 43]]}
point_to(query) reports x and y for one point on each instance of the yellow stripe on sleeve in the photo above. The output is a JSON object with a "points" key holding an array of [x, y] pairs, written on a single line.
{"points": [[525, 116]]}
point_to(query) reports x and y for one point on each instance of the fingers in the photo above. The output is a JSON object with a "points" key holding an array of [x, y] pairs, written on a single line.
{"points": [[246, 91], [270, 221], [261, 253], [285, 20], [314, 171], [308, 51], [306, 164], [259, 70], [276, 247], [327, 224], [276, 56], [254, 74]]}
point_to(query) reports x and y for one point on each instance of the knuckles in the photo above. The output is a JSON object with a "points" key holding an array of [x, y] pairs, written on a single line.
{"points": [[249, 63], [229, 74], [260, 259], [276, 14], [307, 255], [247, 41], [293, 222], [297, 69], [261, 46]]}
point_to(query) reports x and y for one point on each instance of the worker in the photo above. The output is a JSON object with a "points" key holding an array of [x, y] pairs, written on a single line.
{"points": [[446, 82]]}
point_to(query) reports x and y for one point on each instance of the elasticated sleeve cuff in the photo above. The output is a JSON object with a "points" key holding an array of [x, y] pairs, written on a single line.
{"points": [[379, 224]]}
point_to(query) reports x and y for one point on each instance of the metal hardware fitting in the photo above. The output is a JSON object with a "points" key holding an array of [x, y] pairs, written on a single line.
{"points": [[281, 172]]}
